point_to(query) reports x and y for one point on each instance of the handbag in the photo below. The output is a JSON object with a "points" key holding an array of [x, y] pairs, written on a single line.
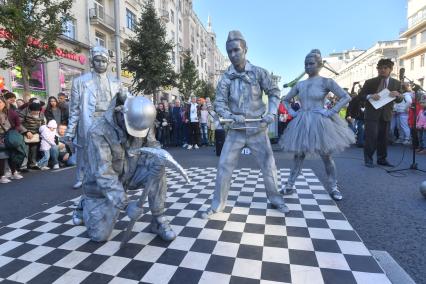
{"points": [[34, 139]]}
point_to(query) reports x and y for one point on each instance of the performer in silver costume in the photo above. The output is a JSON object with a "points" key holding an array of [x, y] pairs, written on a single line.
{"points": [[91, 94], [315, 130], [114, 165], [239, 97]]}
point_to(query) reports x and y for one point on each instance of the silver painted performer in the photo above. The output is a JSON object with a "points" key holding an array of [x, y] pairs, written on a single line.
{"points": [[91, 94], [239, 97], [116, 165], [314, 129]]}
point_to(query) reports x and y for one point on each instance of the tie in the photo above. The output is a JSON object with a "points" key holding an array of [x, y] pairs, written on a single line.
{"points": [[382, 85]]}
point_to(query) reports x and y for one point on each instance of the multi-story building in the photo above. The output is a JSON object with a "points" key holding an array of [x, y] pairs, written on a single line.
{"points": [[93, 24], [415, 34], [337, 60], [363, 66]]}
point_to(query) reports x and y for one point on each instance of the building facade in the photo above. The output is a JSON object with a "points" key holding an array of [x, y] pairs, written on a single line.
{"points": [[415, 35], [93, 24], [363, 66]]}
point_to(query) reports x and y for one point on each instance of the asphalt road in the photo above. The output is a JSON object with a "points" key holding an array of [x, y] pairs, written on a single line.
{"points": [[386, 210]]}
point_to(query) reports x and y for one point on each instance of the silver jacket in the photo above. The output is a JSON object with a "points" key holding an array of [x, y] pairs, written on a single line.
{"points": [[111, 169], [241, 93], [84, 96]]}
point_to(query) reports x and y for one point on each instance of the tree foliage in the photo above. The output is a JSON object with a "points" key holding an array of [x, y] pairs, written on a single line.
{"points": [[205, 90], [188, 77], [30, 30], [149, 54]]}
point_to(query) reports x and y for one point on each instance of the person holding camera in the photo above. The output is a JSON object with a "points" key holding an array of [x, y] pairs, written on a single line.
{"points": [[355, 114]]}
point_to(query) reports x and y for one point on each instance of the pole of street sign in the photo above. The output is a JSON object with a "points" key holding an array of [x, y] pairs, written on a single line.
{"points": [[117, 39]]}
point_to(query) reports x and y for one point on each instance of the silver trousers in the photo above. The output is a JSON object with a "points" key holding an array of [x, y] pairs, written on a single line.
{"points": [[260, 147], [330, 170]]}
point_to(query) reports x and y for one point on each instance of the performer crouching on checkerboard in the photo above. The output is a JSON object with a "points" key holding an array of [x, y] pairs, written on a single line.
{"points": [[314, 129], [113, 168]]}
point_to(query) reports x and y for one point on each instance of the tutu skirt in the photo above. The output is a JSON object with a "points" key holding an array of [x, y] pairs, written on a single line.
{"points": [[312, 133]]}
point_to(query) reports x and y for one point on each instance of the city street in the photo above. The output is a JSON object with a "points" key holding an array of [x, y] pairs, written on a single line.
{"points": [[386, 210]]}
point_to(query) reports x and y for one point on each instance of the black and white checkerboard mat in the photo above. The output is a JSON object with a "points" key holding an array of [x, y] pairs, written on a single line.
{"points": [[249, 243]]}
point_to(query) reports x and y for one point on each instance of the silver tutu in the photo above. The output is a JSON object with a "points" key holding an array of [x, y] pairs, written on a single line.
{"points": [[312, 133]]}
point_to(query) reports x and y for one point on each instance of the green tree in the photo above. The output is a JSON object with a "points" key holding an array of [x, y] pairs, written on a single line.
{"points": [[149, 54], [205, 90], [31, 28], [188, 77]]}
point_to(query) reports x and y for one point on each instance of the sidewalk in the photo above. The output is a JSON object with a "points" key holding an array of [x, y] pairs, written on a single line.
{"points": [[249, 243]]}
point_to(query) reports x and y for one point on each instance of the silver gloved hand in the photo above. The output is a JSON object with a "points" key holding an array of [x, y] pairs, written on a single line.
{"points": [[268, 118], [133, 210], [238, 118]]}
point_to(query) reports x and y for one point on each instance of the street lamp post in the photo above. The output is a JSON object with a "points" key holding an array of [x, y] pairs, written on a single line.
{"points": [[117, 39]]}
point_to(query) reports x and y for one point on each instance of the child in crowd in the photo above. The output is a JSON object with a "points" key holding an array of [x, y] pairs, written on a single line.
{"points": [[48, 146], [204, 116], [421, 131]]}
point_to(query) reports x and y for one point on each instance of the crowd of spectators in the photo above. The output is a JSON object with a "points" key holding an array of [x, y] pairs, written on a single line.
{"points": [[31, 135]]}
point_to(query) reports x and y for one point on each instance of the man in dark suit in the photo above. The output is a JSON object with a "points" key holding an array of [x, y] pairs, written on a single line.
{"points": [[377, 120]]}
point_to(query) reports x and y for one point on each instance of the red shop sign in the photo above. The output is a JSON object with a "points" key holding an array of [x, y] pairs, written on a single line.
{"points": [[37, 43]]}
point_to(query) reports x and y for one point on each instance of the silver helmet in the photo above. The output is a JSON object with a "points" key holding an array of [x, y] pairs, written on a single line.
{"points": [[139, 115]]}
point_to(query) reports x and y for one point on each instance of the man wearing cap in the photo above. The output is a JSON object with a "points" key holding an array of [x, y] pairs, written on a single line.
{"points": [[91, 94], [377, 120], [239, 97], [126, 125]]}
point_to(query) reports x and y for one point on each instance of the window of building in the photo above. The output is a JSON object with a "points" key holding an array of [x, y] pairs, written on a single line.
{"points": [[69, 27], [99, 8], [422, 60], [172, 16], [180, 25], [423, 36], [100, 39], [173, 57], [173, 36], [130, 20], [412, 41], [412, 64], [66, 74]]}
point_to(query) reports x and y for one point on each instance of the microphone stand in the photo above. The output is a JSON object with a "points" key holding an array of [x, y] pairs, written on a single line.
{"points": [[418, 91]]}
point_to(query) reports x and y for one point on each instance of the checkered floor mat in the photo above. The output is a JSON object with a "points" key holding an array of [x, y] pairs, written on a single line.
{"points": [[248, 243]]}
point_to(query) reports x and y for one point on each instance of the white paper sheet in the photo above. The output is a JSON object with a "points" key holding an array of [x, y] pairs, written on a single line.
{"points": [[384, 99]]}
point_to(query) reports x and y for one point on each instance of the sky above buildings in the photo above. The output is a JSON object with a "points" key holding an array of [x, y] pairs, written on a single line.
{"points": [[279, 33]]}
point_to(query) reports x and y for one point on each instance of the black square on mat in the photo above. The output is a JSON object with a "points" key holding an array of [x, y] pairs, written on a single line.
{"points": [[205, 246], [317, 223], [297, 232], [308, 207], [180, 221], [275, 241], [135, 270], [28, 236], [295, 214], [61, 229], [237, 218], [337, 276], [38, 216], [58, 241], [190, 232], [186, 275], [345, 235], [220, 264], [172, 212], [254, 228], [90, 247], [303, 257], [257, 211], [242, 280], [334, 216], [172, 257], [92, 262], [275, 220], [49, 275], [278, 272], [195, 207], [250, 252], [33, 225], [97, 278], [230, 237], [215, 224], [5, 230], [325, 202], [12, 267], [54, 256], [363, 263], [19, 250], [326, 245], [130, 250]]}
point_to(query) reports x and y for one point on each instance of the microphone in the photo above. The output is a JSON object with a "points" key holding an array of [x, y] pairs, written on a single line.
{"points": [[401, 74]]}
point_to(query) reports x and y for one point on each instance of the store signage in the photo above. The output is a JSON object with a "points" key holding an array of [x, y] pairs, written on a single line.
{"points": [[59, 51]]}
